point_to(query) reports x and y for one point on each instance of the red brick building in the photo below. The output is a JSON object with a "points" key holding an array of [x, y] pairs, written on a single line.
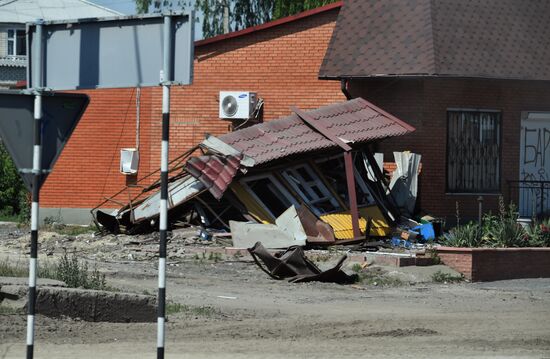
{"points": [[472, 77], [279, 60]]}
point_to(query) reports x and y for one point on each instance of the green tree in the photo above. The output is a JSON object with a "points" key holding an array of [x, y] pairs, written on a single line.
{"points": [[246, 13], [144, 6], [282, 8], [13, 196]]}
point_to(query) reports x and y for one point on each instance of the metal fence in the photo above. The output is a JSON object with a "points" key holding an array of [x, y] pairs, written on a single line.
{"points": [[532, 197]]}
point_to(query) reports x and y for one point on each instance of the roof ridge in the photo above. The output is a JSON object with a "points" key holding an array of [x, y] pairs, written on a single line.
{"points": [[6, 2], [101, 7]]}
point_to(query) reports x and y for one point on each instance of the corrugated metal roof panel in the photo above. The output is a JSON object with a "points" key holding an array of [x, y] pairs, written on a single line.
{"points": [[355, 121], [214, 172]]}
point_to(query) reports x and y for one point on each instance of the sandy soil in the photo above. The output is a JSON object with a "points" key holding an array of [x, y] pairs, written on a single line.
{"points": [[233, 310]]}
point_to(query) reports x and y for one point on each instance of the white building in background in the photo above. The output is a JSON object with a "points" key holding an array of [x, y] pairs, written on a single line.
{"points": [[14, 14]]}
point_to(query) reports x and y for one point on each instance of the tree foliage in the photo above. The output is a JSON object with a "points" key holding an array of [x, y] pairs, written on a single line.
{"points": [[242, 13], [13, 195], [282, 8], [144, 6]]}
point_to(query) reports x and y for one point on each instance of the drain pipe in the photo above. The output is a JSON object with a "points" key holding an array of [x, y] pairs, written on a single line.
{"points": [[344, 88]]}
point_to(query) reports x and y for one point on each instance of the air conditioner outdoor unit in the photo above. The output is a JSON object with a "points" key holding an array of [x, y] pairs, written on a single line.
{"points": [[237, 104], [129, 160]]}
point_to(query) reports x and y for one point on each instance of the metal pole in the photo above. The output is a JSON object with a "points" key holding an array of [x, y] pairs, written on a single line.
{"points": [[541, 213], [350, 179], [480, 210], [163, 221], [36, 170]]}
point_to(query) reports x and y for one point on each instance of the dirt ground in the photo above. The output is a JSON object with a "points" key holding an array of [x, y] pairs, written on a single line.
{"points": [[233, 310]]}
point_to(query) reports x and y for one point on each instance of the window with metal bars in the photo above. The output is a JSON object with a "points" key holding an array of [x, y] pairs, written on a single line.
{"points": [[473, 151]]}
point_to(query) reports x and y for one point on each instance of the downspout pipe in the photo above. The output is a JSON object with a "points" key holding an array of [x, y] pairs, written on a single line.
{"points": [[344, 88]]}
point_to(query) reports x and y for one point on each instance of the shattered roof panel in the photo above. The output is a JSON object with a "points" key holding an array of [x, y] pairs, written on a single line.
{"points": [[508, 39], [354, 121], [214, 172]]}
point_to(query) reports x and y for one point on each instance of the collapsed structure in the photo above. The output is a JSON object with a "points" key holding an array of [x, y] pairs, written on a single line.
{"points": [[319, 162]]}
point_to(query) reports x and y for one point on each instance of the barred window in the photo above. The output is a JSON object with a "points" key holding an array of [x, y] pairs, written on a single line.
{"points": [[473, 151]]}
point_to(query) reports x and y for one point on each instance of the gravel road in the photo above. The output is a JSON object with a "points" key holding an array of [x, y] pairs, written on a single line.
{"points": [[233, 310]]}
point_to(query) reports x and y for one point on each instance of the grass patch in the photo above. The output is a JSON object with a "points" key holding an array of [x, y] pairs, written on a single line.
{"points": [[357, 268], [10, 218], [68, 269], [377, 277], [12, 270], [9, 310], [72, 230], [200, 311], [216, 257], [440, 277]]}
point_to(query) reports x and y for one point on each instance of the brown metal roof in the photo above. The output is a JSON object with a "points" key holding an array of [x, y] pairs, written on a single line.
{"points": [[214, 172], [356, 121], [507, 39]]}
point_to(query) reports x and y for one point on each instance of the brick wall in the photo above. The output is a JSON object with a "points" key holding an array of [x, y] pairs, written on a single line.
{"points": [[424, 102], [280, 64], [487, 264], [88, 168]]}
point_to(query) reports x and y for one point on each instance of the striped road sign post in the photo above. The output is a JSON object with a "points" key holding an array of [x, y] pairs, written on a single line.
{"points": [[36, 171]]}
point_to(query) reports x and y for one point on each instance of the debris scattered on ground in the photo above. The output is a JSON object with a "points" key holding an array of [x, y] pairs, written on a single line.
{"points": [[293, 265]]}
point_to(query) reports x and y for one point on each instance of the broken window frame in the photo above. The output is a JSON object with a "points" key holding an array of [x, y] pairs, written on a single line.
{"points": [[280, 187], [310, 196], [361, 184], [468, 141]]}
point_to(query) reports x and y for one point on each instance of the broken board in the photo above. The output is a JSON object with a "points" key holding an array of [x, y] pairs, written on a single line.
{"points": [[288, 231]]}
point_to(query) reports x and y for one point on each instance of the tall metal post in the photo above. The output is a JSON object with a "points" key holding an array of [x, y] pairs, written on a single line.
{"points": [[350, 179], [36, 170], [163, 220]]}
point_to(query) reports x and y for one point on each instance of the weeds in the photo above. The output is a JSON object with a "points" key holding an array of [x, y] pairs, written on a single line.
{"points": [[539, 234], [9, 310], [501, 230], [378, 277], [201, 311], [70, 270], [75, 230], [469, 235], [356, 267], [440, 277], [216, 257], [10, 270], [77, 275]]}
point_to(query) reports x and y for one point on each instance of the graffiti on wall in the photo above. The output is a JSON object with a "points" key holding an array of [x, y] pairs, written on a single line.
{"points": [[534, 163]]}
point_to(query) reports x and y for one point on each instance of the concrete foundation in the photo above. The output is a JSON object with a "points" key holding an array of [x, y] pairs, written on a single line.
{"points": [[81, 216]]}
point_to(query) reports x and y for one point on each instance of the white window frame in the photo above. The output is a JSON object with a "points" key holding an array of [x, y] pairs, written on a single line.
{"points": [[244, 182], [13, 40], [358, 179], [291, 175]]}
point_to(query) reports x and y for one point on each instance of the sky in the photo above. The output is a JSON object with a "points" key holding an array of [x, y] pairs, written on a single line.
{"points": [[128, 7]]}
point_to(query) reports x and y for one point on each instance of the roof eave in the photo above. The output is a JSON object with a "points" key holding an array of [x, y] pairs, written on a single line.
{"points": [[427, 75], [269, 24]]}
